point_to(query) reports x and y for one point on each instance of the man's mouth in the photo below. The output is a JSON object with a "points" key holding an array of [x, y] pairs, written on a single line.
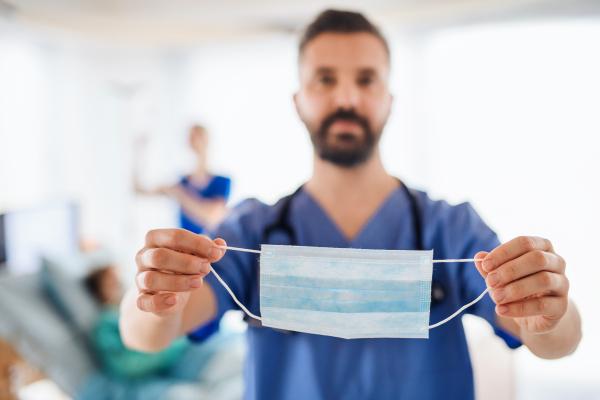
{"points": [[345, 126]]}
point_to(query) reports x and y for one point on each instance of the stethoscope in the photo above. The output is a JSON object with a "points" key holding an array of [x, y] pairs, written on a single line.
{"points": [[282, 224]]}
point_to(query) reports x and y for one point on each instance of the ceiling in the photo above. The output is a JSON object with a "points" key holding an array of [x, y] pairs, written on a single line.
{"points": [[181, 21]]}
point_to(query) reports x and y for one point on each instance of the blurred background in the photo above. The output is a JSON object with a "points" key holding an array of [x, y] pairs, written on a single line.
{"points": [[497, 102]]}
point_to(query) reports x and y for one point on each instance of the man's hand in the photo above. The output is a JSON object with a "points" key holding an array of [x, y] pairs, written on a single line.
{"points": [[170, 266], [527, 282]]}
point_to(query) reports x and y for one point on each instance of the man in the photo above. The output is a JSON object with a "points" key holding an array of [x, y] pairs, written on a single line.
{"points": [[350, 201]]}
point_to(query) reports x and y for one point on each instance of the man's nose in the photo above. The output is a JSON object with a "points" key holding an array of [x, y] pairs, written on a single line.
{"points": [[346, 96]]}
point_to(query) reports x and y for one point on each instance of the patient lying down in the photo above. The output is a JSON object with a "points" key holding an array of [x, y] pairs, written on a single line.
{"points": [[114, 357], [211, 369]]}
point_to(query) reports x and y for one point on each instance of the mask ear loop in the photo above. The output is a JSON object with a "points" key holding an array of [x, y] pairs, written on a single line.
{"points": [[233, 295], [458, 312], [463, 307], [426, 327], [227, 287]]}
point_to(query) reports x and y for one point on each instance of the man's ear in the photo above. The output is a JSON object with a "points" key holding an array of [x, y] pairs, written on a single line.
{"points": [[296, 104], [390, 104]]}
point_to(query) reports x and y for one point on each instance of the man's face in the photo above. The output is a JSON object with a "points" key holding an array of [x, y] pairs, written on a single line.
{"points": [[344, 99]]}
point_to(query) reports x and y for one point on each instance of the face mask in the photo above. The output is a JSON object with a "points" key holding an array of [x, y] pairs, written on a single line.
{"points": [[346, 293]]}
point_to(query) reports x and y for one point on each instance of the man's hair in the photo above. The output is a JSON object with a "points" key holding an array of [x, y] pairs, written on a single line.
{"points": [[340, 22], [200, 127], [93, 282]]}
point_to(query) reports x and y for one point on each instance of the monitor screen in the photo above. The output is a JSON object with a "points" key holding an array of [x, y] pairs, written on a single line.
{"points": [[27, 235]]}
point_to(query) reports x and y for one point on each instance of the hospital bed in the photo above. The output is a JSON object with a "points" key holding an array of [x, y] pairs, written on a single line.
{"points": [[47, 317]]}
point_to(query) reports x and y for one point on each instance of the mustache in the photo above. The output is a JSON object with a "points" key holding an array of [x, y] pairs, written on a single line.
{"points": [[345, 115]]}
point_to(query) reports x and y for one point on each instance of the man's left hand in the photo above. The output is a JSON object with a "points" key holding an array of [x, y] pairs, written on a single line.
{"points": [[527, 282]]}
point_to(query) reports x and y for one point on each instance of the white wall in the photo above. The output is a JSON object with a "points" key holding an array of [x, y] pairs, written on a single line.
{"points": [[505, 116], [69, 111], [510, 115], [258, 138]]}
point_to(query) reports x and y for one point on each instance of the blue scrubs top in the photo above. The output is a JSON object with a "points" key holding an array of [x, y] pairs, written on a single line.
{"points": [[281, 365], [218, 187]]}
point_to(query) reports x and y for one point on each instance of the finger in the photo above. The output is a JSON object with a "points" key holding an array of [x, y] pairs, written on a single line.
{"points": [[513, 249], [184, 241], [523, 266], [547, 306], [481, 255], [170, 260], [156, 302], [155, 281], [221, 242], [544, 282]]}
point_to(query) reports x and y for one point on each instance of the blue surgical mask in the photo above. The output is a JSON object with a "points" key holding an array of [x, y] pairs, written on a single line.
{"points": [[347, 293]]}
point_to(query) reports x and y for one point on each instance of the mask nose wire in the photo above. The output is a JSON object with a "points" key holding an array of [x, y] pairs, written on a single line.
{"points": [[426, 327]]}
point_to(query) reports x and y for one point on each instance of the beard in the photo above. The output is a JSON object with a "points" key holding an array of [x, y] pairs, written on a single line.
{"points": [[352, 150]]}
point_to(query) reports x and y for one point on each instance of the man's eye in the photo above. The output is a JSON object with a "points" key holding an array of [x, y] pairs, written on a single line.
{"points": [[365, 81], [326, 80]]}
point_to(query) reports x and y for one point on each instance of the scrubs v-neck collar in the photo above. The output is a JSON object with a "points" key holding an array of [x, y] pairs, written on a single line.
{"points": [[389, 227]]}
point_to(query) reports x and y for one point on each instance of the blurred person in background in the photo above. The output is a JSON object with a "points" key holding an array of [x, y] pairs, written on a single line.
{"points": [[201, 195], [209, 371], [352, 202], [115, 358]]}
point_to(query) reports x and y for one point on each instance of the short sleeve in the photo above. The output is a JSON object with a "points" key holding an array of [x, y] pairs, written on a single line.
{"points": [[239, 270], [221, 187], [471, 235]]}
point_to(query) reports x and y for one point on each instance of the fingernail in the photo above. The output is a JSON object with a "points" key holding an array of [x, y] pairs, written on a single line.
{"points": [[195, 282], [492, 279], [205, 268], [502, 309], [170, 300], [499, 295], [488, 264], [215, 252]]}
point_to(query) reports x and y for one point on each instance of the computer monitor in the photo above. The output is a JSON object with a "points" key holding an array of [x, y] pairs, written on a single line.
{"points": [[27, 235]]}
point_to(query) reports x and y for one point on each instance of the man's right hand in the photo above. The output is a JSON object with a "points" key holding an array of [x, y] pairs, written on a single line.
{"points": [[170, 266]]}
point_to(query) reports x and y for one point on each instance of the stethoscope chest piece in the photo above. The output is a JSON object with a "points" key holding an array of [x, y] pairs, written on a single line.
{"points": [[438, 294]]}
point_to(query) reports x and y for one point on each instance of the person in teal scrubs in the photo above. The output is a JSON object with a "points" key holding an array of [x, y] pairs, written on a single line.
{"points": [[115, 359]]}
